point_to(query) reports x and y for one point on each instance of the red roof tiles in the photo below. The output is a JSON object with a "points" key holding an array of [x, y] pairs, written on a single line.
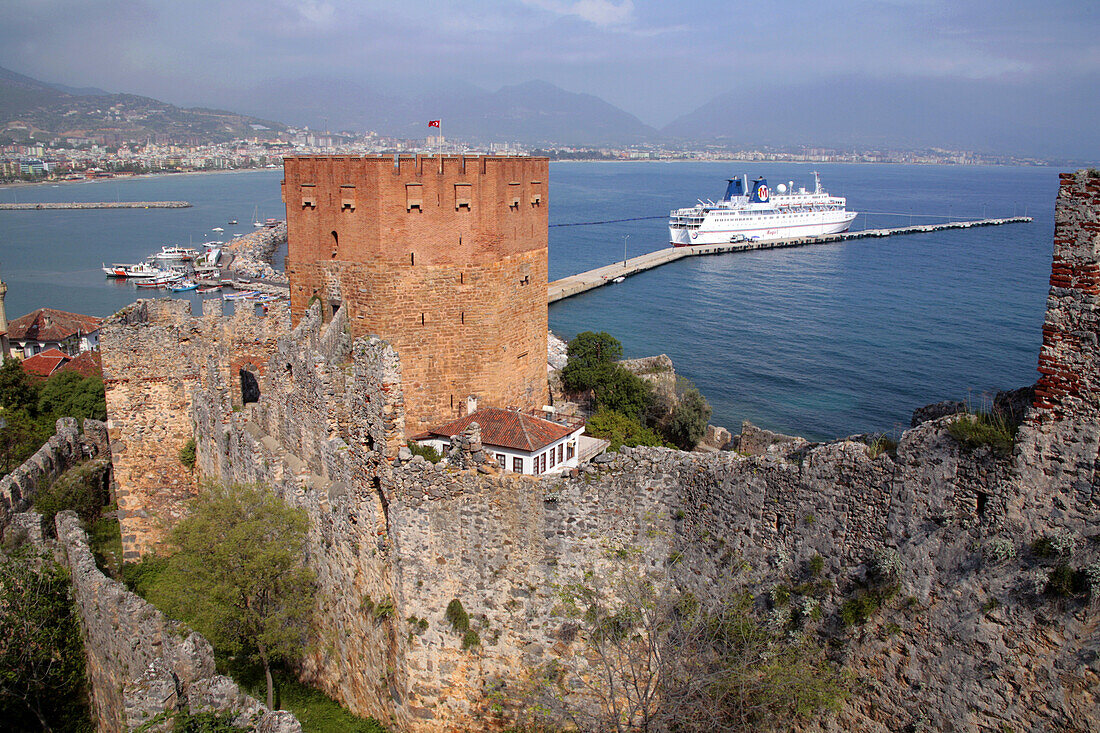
{"points": [[508, 429], [87, 364], [47, 324], [45, 363]]}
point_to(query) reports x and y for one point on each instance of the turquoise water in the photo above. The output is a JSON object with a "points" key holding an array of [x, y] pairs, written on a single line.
{"points": [[821, 341]]}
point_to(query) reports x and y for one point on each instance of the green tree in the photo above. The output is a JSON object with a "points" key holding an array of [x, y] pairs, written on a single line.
{"points": [[590, 356], [621, 430], [41, 653], [237, 575], [20, 437], [17, 392], [623, 391], [68, 394], [689, 420]]}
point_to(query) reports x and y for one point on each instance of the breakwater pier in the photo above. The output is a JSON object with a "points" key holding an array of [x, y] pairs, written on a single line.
{"points": [[97, 205], [585, 281]]}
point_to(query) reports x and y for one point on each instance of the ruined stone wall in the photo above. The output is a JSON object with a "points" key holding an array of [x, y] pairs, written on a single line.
{"points": [[970, 640], [445, 258], [1060, 445], [141, 664], [65, 448], [153, 354]]}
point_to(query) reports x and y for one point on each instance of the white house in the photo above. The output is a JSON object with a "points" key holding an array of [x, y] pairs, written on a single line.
{"points": [[531, 443]]}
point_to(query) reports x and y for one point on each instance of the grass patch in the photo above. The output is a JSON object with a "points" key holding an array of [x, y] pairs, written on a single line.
{"points": [[187, 454], [984, 429], [857, 610], [316, 711], [882, 444]]}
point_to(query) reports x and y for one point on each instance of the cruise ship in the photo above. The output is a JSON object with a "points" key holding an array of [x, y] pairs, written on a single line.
{"points": [[746, 213]]}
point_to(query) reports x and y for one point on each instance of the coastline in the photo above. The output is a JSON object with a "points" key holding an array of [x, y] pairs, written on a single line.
{"points": [[116, 179]]}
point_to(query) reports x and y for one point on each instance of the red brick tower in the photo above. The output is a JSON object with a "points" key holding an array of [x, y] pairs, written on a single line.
{"points": [[444, 257]]}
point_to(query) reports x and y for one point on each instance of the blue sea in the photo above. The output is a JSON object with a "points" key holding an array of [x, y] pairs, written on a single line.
{"points": [[820, 341]]}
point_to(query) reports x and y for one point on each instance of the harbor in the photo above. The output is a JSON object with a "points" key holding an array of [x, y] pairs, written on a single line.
{"points": [[591, 279], [48, 206]]}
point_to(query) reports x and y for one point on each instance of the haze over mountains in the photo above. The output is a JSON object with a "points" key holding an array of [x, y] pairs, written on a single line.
{"points": [[846, 113]]}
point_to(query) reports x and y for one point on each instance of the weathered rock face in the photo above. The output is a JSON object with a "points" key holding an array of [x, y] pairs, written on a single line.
{"points": [[971, 641]]}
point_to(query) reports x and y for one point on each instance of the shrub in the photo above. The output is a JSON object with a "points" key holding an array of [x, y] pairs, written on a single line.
{"points": [[470, 639], [457, 616], [689, 420], [426, 452], [187, 454], [984, 429], [999, 549], [621, 430], [816, 565], [1062, 581], [1043, 547], [1063, 542], [887, 563]]}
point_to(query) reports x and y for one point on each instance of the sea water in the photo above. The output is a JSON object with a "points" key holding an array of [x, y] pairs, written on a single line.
{"points": [[820, 341]]}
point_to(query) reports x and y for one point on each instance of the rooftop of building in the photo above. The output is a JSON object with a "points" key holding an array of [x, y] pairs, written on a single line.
{"points": [[48, 324], [510, 429], [87, 364], [45, 363]]}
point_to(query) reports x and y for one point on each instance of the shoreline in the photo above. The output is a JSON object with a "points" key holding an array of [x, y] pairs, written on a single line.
{"points": [[116, 179]]}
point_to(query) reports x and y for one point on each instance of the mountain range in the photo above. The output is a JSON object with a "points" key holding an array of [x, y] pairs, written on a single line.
{"points": [[28, 105], [854, 113]]}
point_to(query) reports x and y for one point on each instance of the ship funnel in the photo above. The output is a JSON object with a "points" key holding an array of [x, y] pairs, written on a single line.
{"points": [[759, 191], [734, 187]]}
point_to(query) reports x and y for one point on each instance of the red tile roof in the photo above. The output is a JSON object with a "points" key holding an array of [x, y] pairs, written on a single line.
{"points": [[87, 364], [45, 363], [47, 324], [508, 429]]}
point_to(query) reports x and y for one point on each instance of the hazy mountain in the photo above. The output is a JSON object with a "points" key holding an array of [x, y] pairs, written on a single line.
{"points": [[79, 91], [46, 108], [861, 113], [535, 112]]}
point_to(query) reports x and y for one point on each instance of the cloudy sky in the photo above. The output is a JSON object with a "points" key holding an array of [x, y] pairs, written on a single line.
{"points": [[657, 60]]}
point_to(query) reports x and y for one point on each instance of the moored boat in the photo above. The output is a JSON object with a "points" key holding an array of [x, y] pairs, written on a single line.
{"points": [[755, 213]]}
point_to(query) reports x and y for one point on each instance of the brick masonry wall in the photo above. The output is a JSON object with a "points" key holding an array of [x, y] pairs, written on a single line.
{"points": [[459, 291]]}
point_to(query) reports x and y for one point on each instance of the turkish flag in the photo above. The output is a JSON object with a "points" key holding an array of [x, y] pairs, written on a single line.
{"points": [[433, 123]]}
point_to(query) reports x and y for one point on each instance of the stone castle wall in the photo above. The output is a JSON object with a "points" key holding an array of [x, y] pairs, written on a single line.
{"points": [[141, 664], [153, 354], [65, 448], [970, 642], [444, 257]]}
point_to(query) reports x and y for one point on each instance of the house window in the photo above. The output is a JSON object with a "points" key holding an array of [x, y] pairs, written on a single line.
{"points": [[517, 464], [561, 453], [542, 463], [502, 460], [570, 451]]}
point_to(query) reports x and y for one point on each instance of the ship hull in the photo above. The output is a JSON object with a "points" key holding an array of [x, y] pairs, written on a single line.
{"points": [[682, 237]]}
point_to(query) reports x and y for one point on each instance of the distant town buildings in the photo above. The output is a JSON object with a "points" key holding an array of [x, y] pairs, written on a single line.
{"points": [[48, 328]]}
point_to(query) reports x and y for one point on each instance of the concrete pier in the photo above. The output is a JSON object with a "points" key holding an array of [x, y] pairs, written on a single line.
{"points": [[585, 281], [98, 205]]}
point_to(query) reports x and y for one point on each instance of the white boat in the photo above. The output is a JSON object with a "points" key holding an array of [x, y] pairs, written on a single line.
{"points": [[176, 254], [142, 270], [755, 213]]}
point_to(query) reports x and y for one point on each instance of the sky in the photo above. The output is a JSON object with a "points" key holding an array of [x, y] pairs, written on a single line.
{"points": [[657, 60]]}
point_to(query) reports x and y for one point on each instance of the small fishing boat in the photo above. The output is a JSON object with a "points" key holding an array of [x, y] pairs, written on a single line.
{"points": [[232, 221], [211, 289], [619, 279], [217, 229], [183, 286], [244, 295]]}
